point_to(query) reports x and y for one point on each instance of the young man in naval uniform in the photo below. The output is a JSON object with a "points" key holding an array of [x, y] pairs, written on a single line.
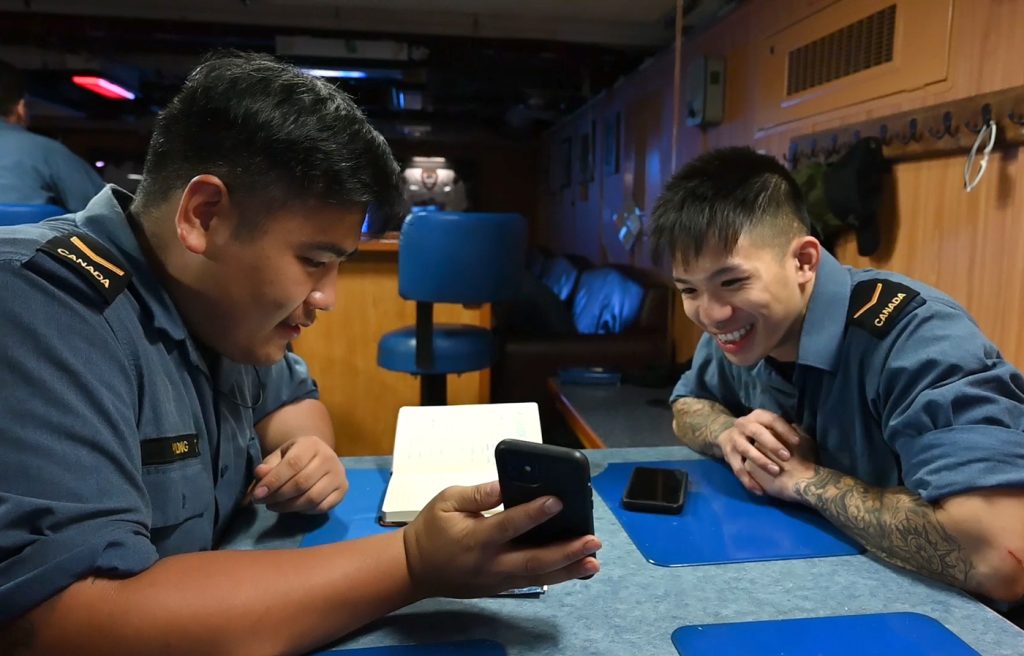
{"points": [[148, 391], [863, 394]]}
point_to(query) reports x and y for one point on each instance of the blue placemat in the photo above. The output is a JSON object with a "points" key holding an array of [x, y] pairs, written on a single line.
{"points": [[461, 648], [899, 634], [721, 522], [356, 516]]}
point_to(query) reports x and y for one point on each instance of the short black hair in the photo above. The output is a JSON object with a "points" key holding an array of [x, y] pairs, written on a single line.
{"points": [[12, 88], [721, 195], [274, 135]]}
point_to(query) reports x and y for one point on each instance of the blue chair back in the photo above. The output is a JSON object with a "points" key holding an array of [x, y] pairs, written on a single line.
{"points": [[18, 214], [461, 257]]}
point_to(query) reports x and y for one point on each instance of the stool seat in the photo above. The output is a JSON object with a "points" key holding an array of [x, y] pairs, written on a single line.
{"points": [[456, 348]]}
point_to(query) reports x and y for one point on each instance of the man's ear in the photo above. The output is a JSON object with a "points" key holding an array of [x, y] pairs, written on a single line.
{"points": [[806, 252], [205, 207], [21, 113]]}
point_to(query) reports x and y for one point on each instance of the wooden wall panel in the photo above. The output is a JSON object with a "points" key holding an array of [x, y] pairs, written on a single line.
{"points": [[968, 245], [341, 350]]}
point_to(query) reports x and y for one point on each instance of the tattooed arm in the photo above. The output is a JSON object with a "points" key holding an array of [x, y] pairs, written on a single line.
{"points": [[974, 541], [893, 523], [698, 423]]}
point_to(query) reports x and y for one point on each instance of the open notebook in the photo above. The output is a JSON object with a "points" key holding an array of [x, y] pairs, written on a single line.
{"points": [[439, 446]]}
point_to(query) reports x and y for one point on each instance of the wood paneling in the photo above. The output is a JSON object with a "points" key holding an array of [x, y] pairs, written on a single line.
{"points": [[966, 244], [341, 350]]}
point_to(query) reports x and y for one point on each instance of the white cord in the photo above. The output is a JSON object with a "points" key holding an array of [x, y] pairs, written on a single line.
{"points": [[971, 183]]}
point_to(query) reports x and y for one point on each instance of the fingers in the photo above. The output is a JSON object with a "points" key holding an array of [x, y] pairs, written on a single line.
{"points": [[737, 463], [755, 473], [780, 429], [513, 522], [554, 563], [472, 499], [320, 498], [765, 437]]}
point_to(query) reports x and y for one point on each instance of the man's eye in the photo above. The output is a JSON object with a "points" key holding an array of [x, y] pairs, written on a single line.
{"points": [[732, 282], [687, 291], [313, 264]]}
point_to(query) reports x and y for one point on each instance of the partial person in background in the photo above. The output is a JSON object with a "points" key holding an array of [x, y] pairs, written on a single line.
{"points": [[36, 170], [866, 395]]}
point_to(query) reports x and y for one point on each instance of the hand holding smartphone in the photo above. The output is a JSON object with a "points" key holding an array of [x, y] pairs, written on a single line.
{"points": [[527, 470], [656, 490]]}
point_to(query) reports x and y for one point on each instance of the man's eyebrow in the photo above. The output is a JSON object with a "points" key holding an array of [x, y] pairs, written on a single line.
{"points": [[333, 249], [724, 271]]}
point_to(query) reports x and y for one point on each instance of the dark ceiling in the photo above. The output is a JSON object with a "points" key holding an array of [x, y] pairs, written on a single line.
{"points": [[452, 84]]}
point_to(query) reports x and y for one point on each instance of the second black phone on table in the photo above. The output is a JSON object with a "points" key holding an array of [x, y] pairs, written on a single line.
{"points": [[527, 470]]}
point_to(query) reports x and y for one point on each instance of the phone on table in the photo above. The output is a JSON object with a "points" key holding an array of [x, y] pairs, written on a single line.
{"points": [[656, 490], [527, 470]]}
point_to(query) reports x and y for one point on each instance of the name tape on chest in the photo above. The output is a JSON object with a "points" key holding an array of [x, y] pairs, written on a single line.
{"points": [[164, 450], [876, 304], [87, 257]]}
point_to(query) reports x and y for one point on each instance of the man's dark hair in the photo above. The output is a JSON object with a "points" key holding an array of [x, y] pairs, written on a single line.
{"points": [[12, 88], [275, 136], [721, 195]]}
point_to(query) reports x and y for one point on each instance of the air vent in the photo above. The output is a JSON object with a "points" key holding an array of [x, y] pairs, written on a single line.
{"points": [[858, 46]]}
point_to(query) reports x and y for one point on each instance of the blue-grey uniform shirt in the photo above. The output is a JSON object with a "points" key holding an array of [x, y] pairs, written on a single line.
{"points": [[897, 390], [119, 444], [36, 170]]}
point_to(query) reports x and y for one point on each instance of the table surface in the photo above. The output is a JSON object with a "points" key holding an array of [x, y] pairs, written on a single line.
{"points": [[632, 607], [620, 415]]}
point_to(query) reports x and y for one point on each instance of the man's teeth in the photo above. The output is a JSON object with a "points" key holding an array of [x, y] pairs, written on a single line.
{"points": [[735, 336]]}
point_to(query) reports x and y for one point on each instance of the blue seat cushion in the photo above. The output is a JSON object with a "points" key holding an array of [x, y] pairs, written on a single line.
{"points": [[457, 348], [607, 302]]}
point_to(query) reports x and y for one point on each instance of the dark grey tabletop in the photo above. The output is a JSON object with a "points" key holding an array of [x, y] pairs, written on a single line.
{"points": [[623, 415], [632, 607]]}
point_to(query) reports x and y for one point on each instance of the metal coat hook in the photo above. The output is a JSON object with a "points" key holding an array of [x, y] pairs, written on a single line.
{"points": [[911, 135], [947, 127], [987, 132], [986, 118]]}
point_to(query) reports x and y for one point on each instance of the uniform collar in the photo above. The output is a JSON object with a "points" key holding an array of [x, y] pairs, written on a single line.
{"points": [[106, 217], [825, 321], [7, 125]]}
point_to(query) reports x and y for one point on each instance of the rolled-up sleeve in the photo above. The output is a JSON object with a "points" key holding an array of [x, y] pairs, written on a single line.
{"points": [[951, 406], [284, 382], [709, 378], [72, 500]]}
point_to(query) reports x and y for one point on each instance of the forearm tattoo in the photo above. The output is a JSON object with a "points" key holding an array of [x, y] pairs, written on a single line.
{"points": [[16, 637], [699, 422], [894, 523]]}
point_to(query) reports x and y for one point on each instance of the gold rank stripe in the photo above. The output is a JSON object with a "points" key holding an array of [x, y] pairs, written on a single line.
{"points": [[874, 299], [88, 251]]}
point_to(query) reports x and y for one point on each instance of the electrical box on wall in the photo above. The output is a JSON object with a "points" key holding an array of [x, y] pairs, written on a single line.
{"points": [[705, 91]]}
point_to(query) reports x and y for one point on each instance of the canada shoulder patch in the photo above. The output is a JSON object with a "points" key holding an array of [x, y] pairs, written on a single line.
{"points": [[90, 259], [876, 304]]}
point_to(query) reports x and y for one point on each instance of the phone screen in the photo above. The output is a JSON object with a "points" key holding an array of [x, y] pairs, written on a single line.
{"points": [[656, 489]]}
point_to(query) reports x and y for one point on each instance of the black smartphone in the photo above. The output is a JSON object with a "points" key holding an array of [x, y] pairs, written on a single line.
{"points": [[527, 470], [656, 490]]}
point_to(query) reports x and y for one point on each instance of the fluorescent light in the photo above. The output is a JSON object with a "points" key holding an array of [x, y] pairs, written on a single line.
{"points": [[100, 163], [334, 72], [103, 87]]}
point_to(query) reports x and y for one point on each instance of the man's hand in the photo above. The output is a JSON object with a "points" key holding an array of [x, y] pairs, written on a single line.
{"points": [[798, 468], [761, 438], [304, 475], [454, 551]]}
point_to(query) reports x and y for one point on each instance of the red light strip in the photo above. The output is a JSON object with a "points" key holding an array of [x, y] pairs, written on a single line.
{"points": [[103, 87]]}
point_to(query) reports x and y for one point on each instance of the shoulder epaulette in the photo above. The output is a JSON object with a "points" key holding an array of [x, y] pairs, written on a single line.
{"points": [[875, 304], [87, 257]]}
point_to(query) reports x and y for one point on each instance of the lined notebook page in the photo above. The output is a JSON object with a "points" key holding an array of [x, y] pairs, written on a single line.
{"points": [[440, 446]]}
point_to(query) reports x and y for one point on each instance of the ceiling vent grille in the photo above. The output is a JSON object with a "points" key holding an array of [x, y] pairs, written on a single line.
{"points": [[856, 47]]}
